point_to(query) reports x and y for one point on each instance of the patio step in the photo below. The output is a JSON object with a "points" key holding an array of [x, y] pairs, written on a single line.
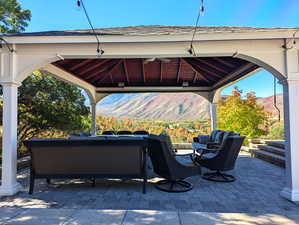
{"points": [[275, 159], [275, 143], [272, 149]]}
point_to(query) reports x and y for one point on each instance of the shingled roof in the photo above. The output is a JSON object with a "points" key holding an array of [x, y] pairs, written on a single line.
{"points": [[152, 30]]}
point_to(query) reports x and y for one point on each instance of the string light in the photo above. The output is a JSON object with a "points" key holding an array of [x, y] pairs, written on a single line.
{"points": [[7, 45], [200, 13], [99, 50]]}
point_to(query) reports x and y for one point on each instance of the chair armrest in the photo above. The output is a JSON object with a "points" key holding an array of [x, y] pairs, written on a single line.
{"points": [[213, 145]]}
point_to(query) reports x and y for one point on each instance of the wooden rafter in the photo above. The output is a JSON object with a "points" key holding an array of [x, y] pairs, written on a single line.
{"points": [[196, 70], [195, 77], [179, 71], [143, 70], [224, 62], [94, 66], [204, 68], [206, 62], [161, 71], [78, 65], [109, 72], [93, 76], [126, 71]]}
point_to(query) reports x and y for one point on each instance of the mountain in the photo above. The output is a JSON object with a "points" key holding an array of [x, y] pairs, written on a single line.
{"points": [[166, 106]]}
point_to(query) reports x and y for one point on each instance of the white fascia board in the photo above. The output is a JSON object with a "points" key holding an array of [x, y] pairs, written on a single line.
{"points": [[216, 36]]}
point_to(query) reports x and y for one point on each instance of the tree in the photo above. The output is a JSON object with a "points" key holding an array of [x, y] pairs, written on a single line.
{"points": [[13, 18], [242, 115], [46, 104]]}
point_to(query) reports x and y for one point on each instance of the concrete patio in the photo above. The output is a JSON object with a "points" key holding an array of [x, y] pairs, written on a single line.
{"points": [[253, 199]]}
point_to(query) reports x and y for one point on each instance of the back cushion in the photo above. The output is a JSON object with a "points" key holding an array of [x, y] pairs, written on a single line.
{"points": [[219, 137], [213, 135]]}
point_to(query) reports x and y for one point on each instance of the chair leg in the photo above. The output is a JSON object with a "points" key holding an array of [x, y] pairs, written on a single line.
{"points": [[93, 182], [173, 186], [144, 185], [219, 177], [31, 185]]}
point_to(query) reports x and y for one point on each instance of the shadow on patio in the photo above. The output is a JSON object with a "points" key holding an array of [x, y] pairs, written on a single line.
{"points": [[256, 190]]}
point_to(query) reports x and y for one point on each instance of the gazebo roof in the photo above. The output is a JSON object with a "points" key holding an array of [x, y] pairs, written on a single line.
{"points": [[153, 30]]}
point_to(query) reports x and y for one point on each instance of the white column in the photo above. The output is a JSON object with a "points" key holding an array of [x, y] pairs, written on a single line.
{"points": [[93, 119], [9, 184], [291, 126], [213, 115]]}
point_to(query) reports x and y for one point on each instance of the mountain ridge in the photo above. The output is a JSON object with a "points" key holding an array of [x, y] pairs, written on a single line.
{"points": [[167, 106]]}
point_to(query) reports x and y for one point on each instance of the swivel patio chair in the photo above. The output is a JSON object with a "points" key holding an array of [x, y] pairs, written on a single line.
{"points": [[124, 132], [222, 160], [108, 132], [166, 166]]}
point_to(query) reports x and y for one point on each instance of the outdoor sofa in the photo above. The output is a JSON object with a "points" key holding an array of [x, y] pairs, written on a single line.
{"points": [[87, 157]]}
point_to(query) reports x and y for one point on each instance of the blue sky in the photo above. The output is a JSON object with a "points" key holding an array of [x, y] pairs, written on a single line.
{"points": [[63, 14]]}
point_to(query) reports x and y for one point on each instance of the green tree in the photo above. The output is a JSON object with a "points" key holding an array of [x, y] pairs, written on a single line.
{"points": [[46, 104], [242, 115], [13, 18]]}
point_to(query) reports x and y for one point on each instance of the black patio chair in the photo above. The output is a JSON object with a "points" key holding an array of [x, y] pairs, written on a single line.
{"points": [[108, 132], [166, 166], [221, 160], [140, 132], [124, 132]]}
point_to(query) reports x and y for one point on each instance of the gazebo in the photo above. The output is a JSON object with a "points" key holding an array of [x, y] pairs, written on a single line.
{"points": [[152, 59]]}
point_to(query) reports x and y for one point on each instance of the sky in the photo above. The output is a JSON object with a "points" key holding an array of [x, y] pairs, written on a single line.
{"points": [[64, 14]]}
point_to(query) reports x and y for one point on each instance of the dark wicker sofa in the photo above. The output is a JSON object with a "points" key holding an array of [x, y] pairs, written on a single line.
{"points": [[99, 157]]}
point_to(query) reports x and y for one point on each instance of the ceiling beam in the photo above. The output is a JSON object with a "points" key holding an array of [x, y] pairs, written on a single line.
{"points": [[110, 71], [143, 70], [126, 70], [204, 68], [223, 61], [93, 67], [94, 76], [195, 77], [179, 71], [161, 71], [78, 65], [233, 74], [210, 64], [196, 70]]}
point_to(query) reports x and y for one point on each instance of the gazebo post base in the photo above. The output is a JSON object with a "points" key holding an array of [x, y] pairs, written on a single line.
{"points": [[9, 190]]}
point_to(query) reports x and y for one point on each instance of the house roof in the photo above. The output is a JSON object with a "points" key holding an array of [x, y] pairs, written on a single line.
{"points": [[153, 30]]}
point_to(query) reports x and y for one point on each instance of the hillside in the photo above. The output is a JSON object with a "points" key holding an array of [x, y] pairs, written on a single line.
{"points": [[166, 106]]}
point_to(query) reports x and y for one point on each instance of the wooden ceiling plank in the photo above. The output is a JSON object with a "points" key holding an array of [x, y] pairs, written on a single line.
{"points": [[110, 71], [78, 65], [210, 64], [179, 71], [126, 70], [161, 71], [204, 68], [94, 66], [97, 72], [196, 70], [143, 70], [224, 62]]}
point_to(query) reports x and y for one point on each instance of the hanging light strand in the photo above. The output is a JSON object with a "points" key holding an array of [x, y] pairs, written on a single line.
{"points": [[200, 13], [99, 50]]}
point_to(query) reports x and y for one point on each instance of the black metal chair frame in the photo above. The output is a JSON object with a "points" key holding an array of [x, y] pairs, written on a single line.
{"points": [[166, 165]]}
